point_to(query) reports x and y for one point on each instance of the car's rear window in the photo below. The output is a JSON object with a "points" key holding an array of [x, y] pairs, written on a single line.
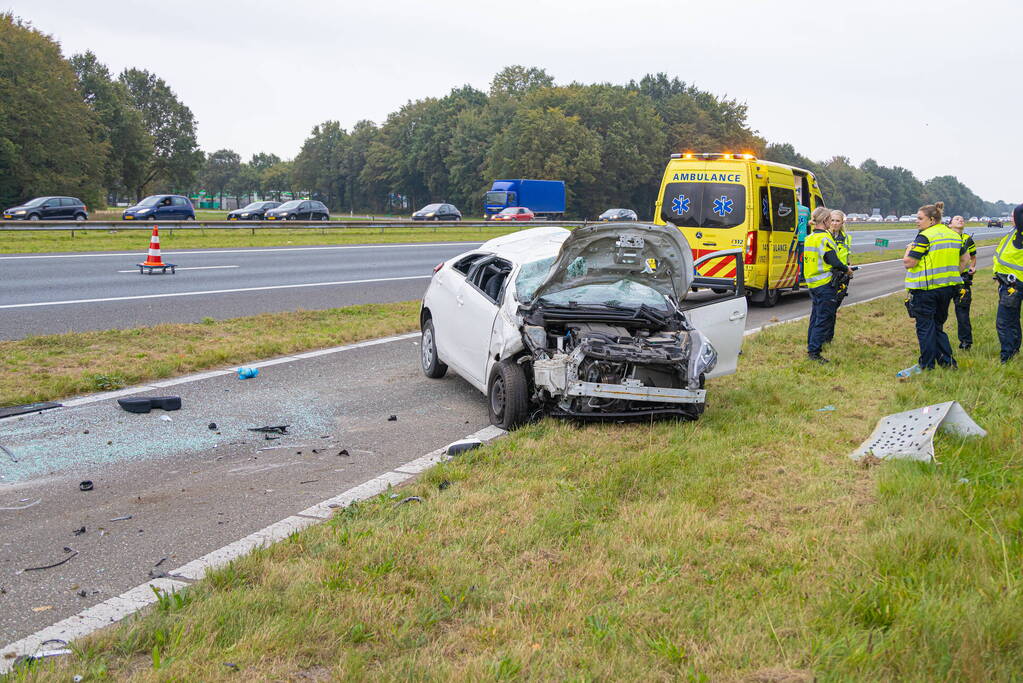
{"points": [[704, 205]]}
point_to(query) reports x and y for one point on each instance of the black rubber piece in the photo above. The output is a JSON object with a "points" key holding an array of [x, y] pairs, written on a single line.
{"points": [[28, 408], [143, 404], [85, 485]]}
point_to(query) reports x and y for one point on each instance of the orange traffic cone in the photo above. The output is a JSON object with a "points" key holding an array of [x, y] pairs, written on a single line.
{"points": [[153, 260]]}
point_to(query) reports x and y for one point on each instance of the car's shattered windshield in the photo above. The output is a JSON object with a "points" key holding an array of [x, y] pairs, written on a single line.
{"points": [[621, 294]]}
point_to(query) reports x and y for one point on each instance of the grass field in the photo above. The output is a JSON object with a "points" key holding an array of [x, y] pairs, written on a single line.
{"points": [[745, 546], [16, 242], [51, 367], [138, 240]]}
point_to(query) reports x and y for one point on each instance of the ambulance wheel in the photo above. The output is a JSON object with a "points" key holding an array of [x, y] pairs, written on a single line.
{"points": [[771, 297]]}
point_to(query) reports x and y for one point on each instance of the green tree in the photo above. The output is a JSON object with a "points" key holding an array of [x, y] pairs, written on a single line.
{"points": [[276, 179], [517, 80], [321, 165], [220, 171], [176, 158], [130, 144], [50, 141], [545, 143], [958, 198]]}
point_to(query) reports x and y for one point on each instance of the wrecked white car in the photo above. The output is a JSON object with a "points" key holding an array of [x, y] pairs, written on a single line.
{"points": [[587, 324]]}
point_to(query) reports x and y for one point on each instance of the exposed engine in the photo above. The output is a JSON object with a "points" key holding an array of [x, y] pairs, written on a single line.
{"points": [[598, 370]]}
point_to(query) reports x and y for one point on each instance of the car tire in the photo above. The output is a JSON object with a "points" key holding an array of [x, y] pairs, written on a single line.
{"points": [[34, 217], [80, 217], [507, 395], [428, 358], [324, 218]]}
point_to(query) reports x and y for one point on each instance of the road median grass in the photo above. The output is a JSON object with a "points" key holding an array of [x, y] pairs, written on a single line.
{"points": [[51, 241], [51, 367], [744, 546]]}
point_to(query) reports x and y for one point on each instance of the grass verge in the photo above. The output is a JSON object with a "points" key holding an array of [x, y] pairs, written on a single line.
{"points": [[51, 367], [13, 242], [745, 546]]}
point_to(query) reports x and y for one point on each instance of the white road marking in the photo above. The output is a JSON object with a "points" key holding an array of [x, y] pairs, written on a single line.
{"points": [[135, 270], [244, 251], [216, 291]]}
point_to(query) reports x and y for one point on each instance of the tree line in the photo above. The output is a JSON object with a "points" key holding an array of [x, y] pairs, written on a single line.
{"points": [[69, 126]]}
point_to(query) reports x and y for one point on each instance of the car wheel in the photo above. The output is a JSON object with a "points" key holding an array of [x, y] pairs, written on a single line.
{"points": [[507, 395], [34, 217], [80, 217], [324, 218], [432, 367]]}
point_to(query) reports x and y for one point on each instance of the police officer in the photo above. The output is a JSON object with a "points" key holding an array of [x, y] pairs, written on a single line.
{"points": [[1009, 273], [820, 261], [933, 264], [842, 240], [964, 297]]}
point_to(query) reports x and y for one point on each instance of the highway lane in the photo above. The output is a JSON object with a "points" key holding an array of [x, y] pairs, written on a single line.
{"points": [[55, 293], [191, 489], [48, 294]]}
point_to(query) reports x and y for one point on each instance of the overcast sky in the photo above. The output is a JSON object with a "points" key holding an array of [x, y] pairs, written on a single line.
{"points": [[931, 85]]}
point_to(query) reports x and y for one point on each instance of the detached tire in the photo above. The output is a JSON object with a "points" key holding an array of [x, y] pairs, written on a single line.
{"points": [[428, 358], [507, 395]]}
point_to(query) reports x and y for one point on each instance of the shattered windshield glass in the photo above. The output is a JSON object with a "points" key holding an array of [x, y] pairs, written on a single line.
{"points": [[529, 278], [621, 293]]}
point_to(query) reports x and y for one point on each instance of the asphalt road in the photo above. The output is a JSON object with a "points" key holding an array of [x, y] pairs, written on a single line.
{"points": [[190, 489], [54, 293]]}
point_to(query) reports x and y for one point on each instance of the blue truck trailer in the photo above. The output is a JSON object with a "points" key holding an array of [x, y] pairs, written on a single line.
{"points": [[546, 198]]}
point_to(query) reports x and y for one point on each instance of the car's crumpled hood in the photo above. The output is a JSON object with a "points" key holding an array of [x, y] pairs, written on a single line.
{"points": [[657, 256]]}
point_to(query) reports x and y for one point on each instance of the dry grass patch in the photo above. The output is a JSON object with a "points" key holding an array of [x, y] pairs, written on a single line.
{"points": [[55, 366]]}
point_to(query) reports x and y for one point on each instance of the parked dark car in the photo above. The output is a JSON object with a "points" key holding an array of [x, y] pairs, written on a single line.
{"points": [[48, 209], [172, 207], [618, 215], [437, 212], [252, 212], [299, 210], [994, 223]]}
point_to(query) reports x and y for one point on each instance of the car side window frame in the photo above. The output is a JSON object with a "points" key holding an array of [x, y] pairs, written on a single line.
{"points": [[472, 259], [472, 278]]}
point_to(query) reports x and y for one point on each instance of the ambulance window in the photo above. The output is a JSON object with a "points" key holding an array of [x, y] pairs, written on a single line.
{"points": [[783, 209], [704, 205], [765, 210]]}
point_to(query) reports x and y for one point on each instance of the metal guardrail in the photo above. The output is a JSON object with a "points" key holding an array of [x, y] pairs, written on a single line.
{"points": [[74, 226]]}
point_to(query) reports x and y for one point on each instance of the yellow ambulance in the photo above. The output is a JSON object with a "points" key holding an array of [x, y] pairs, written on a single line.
{"points": [[722, 201]]}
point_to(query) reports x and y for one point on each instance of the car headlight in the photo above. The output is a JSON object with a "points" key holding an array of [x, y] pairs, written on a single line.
{"points": [[431, 214], [19, 213], [706, 357], [245, 215]]}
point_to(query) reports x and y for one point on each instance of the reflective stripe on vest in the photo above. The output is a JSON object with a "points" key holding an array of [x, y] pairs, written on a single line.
{"points": [[842, 247], [939, 266], [1009, 259], [816, 271]]}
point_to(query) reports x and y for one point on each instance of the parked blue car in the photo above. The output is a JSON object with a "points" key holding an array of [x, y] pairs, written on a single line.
{"points": [[172, 207]]}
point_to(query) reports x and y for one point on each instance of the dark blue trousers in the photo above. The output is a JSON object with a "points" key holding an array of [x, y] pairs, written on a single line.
{"points": [[962, 306], [930, 306], [822, 318], [1007, 319]]}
